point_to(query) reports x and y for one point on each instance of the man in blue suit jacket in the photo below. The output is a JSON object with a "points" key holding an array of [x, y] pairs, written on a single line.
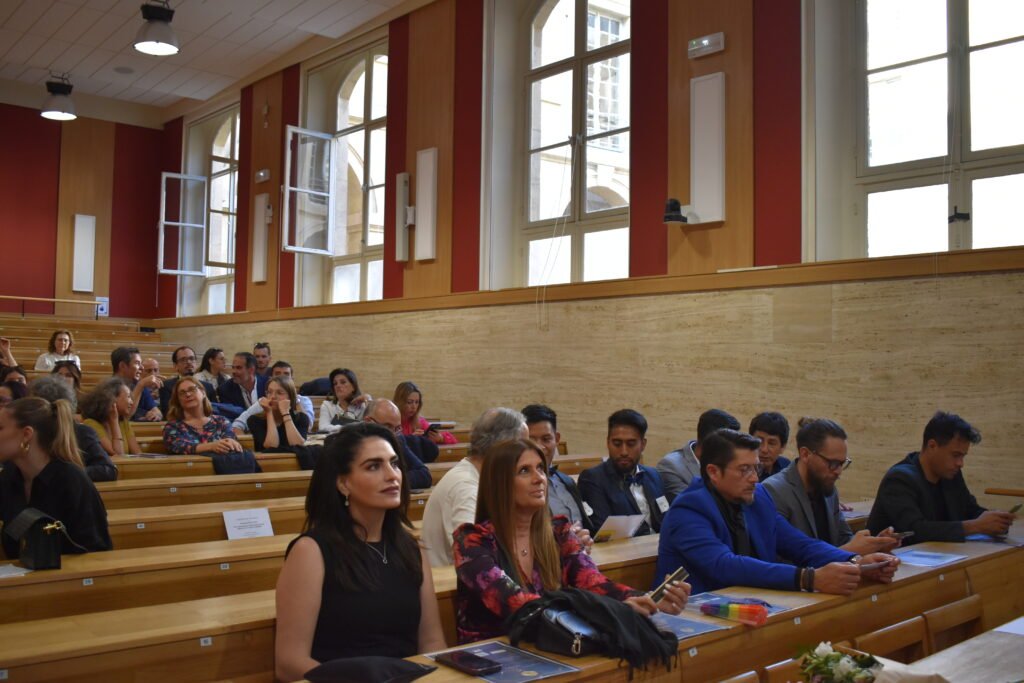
{"points": [[725, 530], [621, 485], [246, 387]]}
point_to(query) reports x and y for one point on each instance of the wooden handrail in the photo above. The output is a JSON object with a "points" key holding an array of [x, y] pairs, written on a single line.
{"points": [[95, 304]]}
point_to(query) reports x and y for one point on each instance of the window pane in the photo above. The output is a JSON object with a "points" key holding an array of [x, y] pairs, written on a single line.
{"points": [[217, 298], [308, 226], [379, 97], [902, 30], [551, 110], [995, 217], [352, 94], [992, 20], [997, 107], [608, 172], [345, 283], [606, 254], [912, 221], [552, 33], [607, 22], [185, 201], [183, 249], [222, 193], [550, 183], [907, 113], [221, 238], [378, 155], [375, 217], [375, 280], [224, 140], [550, 261], [311, 162], [348, 195], [608, 95]]}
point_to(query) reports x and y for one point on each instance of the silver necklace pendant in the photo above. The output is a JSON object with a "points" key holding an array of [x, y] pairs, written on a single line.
{"points": [[383, 556]]}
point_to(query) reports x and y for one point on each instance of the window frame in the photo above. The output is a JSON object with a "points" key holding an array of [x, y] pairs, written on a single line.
{"points": [[163, 223]]}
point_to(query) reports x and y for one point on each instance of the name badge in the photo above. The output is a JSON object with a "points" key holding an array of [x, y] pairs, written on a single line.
{"points": [[586, 508], [662, 503]]}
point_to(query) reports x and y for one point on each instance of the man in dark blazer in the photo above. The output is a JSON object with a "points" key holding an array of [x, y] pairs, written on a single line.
{"points": [[184, 359], [621, 485], [245, 387], [926, 492]]}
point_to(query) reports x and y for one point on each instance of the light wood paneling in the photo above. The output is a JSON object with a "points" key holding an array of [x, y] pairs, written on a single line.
{"points": [[430, 124], [729, 244], [897, 350], [86, 187], [267, 152]]}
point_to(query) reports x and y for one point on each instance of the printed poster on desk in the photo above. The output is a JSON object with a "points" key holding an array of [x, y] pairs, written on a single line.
{"points": [[925, 558], [516, 665], [710, 598], [684, 628]]}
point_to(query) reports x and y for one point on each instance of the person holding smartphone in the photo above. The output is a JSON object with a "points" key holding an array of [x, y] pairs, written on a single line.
{"points": [[356, 582], [409, 400], [514, 551]]}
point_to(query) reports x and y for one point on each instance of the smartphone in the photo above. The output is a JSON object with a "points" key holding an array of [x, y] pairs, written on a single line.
{"points": [[678, 575], [468, 663], [874, 565], [1016, 508], [433, 427], [903, 534]]}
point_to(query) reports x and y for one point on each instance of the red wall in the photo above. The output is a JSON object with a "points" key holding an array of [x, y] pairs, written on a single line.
{"points": [[398, 99], [777, 132], [289, 117], [244, 218], [135, 214], [29, 180]]}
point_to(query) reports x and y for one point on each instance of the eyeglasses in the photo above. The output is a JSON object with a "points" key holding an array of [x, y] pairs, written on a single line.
{"points": [[188, 391], [397, 429], [834, 465], [747, 470]]}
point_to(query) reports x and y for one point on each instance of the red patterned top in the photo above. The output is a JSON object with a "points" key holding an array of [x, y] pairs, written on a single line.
{"points": [[486, 595]]}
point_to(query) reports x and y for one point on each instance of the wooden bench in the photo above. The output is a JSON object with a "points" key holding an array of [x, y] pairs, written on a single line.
{"points": [[570, 464], [158, 465], [133, 493], [457, 451], [155, 444]]}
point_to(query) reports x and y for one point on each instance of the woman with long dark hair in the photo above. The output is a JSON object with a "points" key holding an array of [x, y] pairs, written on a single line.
{"points": [[356, 582], [409, 400], [70, 373], [515, 551], [108, 409], [346, 404], [213, 368]]}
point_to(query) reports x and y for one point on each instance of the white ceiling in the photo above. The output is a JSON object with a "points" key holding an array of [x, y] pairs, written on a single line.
{"points": [[221, 42]]}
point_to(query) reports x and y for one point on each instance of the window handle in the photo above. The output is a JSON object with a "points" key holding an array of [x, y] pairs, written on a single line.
{"points": [[958, 217]]}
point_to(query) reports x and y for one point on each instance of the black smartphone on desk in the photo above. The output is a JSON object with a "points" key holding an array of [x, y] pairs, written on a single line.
{"points": [[468, 663]]}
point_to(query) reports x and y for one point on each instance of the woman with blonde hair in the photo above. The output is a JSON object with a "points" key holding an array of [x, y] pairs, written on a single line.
{"points": [[191, 427], [61, 347], [409, 400], [280, 425], [515, 551], [108, 409], [43, 470]]}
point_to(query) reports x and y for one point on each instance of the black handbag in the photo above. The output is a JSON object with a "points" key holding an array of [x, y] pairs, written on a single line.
{"points": [[38, 536], [566, 633], [235, 462]]}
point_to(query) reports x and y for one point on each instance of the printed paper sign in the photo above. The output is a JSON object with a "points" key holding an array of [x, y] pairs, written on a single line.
{"points": [[251, 523]]}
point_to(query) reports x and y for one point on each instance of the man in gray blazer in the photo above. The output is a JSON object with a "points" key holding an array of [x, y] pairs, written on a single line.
{"points": [[805, 492], [682, 466]]}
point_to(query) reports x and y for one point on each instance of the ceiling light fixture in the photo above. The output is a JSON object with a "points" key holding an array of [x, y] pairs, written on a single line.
{"points": [[156, 37], [58, 106]]}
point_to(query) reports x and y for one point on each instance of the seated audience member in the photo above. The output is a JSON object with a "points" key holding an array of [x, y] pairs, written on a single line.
{"points": [[356, 582], [42, 470], [14, 373], [6, 357], [453, 501], [97, 462], [191, 427], [725, 530], [347, 403], [151, 366], [127, 364], [805, 492], [926, 492], [261, 352], [60, 347], [563, 495], [280, 425], [621, 485], [11, 391], [773, 430], [70, 374], [514, 551], [386, 414], [246, 387], [212, 369], [409, 400], [680, 467], [184, 359], [281, 369], [108, 409], [284, 369]]}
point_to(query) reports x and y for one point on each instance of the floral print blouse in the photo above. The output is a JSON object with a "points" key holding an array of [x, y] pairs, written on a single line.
{"points": [[487, 596], [182, 438]]}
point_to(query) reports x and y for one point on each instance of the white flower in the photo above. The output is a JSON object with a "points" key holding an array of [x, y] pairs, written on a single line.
{"points": [[845, 667], [824, 649]]}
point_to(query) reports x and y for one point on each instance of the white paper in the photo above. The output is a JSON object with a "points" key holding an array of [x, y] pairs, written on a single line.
{"points": [[662, 503], [251, 523], [619, 526], [1016, 627], [9, 570]]}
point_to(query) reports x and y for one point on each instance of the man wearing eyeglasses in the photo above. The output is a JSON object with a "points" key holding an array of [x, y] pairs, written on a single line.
{"points": [[386, 414], [805, 492], [725, 530]]}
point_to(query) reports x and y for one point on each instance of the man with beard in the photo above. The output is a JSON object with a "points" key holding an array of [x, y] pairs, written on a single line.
{"points": [[725, 530], [621, 485], [805, 492]]}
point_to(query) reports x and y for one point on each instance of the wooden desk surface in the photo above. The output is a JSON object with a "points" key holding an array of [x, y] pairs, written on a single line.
{"points": [[1019, 493], [131, 493], [991, 656]]}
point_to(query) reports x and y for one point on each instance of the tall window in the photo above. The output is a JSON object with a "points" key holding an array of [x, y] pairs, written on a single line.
{"points": [[941, 137], [577, 151], [348, 99]]}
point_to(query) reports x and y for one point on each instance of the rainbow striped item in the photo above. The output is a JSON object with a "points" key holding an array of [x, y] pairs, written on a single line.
{"points": [[751, 615]]}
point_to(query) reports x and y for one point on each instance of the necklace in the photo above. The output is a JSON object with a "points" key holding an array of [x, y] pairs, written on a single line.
{"points": [[383, 555]]}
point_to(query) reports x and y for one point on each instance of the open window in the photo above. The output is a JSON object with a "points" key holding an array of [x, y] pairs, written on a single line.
{"points": [[308, 201], [182, 226]]}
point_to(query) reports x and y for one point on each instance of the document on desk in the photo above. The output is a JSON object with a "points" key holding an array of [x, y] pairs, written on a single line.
{"points": [[8, 571], [683, 628], [854, 514], [516, 665], [251, 523], [696, 601], [924, 558], [1002, 540], [617, 527], [1016, 627]]}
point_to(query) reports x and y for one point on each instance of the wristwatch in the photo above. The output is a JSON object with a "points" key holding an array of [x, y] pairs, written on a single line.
{"points": [[855, 559]]}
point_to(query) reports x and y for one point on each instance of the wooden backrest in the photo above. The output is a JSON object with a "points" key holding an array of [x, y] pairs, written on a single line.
{"points": [[748, 677], [953, 623], [905, 641], [784, 672]]}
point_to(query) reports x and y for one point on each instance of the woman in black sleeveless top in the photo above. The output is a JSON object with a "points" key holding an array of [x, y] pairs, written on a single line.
{"points": [[356, 582]]}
